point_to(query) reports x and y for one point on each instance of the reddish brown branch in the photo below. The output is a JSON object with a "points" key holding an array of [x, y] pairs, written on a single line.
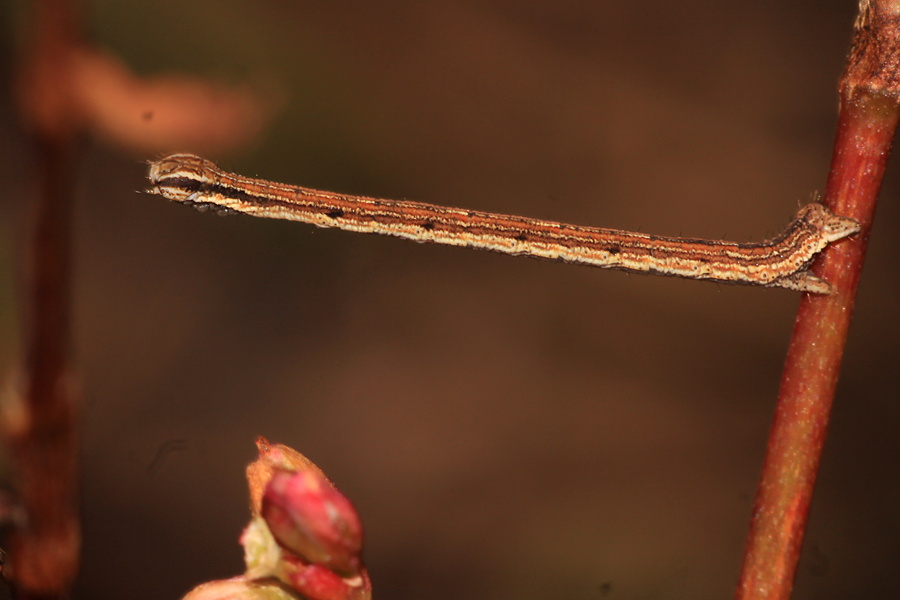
{"points": [[67, 88], [867, 121], [41, 429], [40, 423]]}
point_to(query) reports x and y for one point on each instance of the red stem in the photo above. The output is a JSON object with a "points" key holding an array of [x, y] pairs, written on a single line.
{"points": [[40, 426], [866, 124], [42, 430]]}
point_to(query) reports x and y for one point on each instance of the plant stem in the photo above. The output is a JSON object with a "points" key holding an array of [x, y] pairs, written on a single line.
{"points": [[40, 419], [867, 121]]}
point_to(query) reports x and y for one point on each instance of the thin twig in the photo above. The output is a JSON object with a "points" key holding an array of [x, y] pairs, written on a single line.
{"points": [[40, 424], [867, 121]]}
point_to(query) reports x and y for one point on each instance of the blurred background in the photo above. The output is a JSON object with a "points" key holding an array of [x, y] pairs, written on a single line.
{"points": [[507, 428]]}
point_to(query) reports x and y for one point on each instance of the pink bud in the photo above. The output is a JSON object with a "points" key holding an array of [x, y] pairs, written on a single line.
{"points": [[309, 517], [316, 582]]}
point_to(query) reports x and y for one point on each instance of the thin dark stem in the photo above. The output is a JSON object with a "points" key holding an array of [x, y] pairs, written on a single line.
{"points": [[42, 435], [40, 424]]}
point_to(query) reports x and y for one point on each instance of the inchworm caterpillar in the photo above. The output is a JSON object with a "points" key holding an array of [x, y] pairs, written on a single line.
{"points": [[781, 261]]}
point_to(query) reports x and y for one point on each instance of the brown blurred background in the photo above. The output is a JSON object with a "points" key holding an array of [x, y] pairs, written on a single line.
{"points": [[508, 428]]}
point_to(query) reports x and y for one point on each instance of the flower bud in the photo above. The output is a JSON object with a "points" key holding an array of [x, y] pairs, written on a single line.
{"points": [[316, 582], [309, 517]]}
